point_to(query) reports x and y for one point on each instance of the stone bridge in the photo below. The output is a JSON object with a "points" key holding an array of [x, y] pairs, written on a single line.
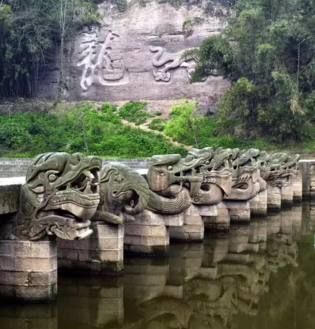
{"points": [[81, 214]]}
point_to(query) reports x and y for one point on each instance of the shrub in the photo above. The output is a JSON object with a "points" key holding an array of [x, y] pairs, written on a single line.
{"points": [[157, 124], [134, 112]]}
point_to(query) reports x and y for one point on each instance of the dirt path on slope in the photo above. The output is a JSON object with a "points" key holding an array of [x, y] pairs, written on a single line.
{"points": [[145, 127]]}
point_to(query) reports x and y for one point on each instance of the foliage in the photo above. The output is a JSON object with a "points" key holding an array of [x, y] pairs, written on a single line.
{"points": [[184, 124], [79, 129], [134, 112], [267, 52], [32, 33], [157, 124]]}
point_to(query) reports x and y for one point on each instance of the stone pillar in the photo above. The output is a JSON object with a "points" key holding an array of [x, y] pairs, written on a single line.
{"points": [[148, 234], [215, 218], [28, 270], [102, 252], [91, 302], [239, 210], [193, 228], [258, 204], [287, 195], [297, 187], [273, 198]]}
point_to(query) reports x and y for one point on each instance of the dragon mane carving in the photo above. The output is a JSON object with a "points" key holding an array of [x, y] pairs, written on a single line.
{"points": [[60, 196]]}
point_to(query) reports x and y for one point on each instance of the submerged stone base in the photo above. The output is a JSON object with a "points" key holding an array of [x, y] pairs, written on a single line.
{"points": [[102, 252], [274, 198], [258, 204], [287, 196], [297, 186], [221, 221], [193, 228], [239, 210], [148, 234], [28, 270]]}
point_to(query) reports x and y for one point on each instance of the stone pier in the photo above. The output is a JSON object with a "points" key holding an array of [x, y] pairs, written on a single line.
{"points": [[239, 210], [274, 198], [297, 186], [287, 196], [102, 252], [28, 270], [258, 204], [149, 234]]}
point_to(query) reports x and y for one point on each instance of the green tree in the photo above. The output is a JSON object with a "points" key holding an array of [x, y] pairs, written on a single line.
{"points": [[32, 33], [184, 124], [267, 51]]}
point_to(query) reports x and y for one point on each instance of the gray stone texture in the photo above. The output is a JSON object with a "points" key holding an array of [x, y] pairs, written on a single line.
{"points": [[28, 270], [113, 62], [258, 204], [274, 198], [102, 252], [9, 199]]}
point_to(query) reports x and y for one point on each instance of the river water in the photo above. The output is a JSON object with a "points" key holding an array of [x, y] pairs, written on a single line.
{"points": [[259, 276]]}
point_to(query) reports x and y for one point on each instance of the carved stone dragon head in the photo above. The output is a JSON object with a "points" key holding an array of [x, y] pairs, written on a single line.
{"points": [[122, 190], [60, 196]]}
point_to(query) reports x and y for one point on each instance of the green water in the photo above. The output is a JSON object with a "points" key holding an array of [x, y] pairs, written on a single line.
{"points": [[257, 276]]}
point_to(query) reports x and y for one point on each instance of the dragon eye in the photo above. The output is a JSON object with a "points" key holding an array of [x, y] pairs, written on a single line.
{"points": [[170, 168], [52, 177]]}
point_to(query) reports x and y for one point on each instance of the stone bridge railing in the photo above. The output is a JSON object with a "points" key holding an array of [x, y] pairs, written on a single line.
{"points": [[17, 167]]}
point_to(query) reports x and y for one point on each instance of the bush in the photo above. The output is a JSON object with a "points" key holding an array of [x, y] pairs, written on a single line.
{"points": [[134, 112], [79, 129], [157, 124]]}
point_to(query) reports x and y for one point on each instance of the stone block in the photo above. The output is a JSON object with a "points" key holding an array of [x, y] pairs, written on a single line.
{"points": [[193, 219], [102, 252], [239, 210], [10, 198], [23, 276], [258, 204], [297, 186], [154, 241], [274, 198], [287, 196]]}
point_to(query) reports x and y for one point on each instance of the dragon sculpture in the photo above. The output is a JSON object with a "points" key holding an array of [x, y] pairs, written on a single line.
{"points": [[282, 169], [59, 198], [122, 190], [201, 178]]}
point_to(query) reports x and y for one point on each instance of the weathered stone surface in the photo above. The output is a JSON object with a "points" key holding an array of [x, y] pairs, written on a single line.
{"points": [[258, 204], [101, 252], [10, 198], [239, 210], [274, 198], [137, 55], [287, 196], [148, 234], [28, 270]]}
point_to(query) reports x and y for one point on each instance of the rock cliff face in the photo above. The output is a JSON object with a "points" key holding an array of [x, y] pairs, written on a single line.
{"points": [[136, 54]]}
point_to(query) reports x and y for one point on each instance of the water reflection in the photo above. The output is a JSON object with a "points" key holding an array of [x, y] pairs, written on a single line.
{"points": [[255, 276]]}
